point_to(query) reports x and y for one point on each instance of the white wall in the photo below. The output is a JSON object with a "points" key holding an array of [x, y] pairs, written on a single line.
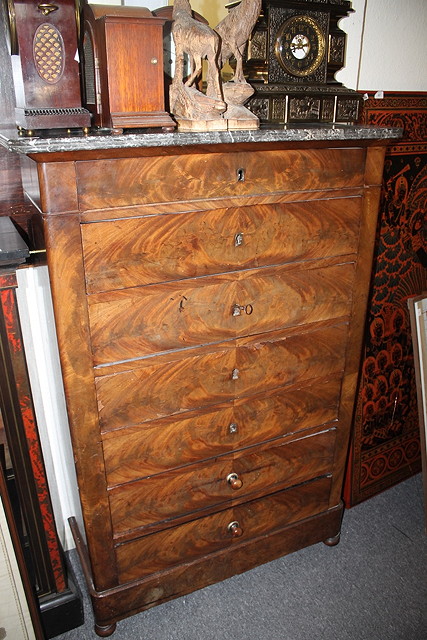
{"points": [[387, 46], [353, 26], [394, 53]]}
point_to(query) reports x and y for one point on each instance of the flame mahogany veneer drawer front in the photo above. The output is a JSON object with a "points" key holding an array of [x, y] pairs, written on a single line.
{"points": [[134, 181], [144, 250], [186, 542], [161, 386], [160, 445], [160, 498], [156, 318]]}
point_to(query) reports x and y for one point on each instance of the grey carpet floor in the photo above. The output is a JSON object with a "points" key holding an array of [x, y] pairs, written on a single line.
{"points": [[372, 586]]}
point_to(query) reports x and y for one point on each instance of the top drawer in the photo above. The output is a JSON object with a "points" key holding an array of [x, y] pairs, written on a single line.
{"points": [[134, 181]]}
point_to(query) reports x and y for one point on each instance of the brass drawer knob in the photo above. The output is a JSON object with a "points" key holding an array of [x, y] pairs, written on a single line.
{"points": [[234, 481], [235, 529], [235, 374]]}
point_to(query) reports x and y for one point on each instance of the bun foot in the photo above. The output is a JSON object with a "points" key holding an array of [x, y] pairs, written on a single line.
{"points": [[332, 542], [104, 632]]}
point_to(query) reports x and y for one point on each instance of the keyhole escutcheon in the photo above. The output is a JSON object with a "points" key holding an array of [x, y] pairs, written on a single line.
{"points": [[238, 239], [239, 309], [240, 175]]}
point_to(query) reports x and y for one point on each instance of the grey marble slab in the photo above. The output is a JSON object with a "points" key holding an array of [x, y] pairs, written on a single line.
{"points": [[29, 145]]}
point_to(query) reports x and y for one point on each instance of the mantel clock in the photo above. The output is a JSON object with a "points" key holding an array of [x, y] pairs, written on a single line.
{"points": [[123, 67], [293, 54], [43, 43]]}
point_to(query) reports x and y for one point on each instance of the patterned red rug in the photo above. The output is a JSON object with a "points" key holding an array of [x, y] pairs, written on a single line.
{"points": [[385, 447]]}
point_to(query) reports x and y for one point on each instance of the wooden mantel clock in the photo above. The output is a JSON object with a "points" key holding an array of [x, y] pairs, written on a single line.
{"points": [[123, 67], [293, 54]]}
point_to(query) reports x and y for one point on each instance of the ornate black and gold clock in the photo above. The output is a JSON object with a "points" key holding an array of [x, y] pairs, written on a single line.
{"points": [[293, 54]]}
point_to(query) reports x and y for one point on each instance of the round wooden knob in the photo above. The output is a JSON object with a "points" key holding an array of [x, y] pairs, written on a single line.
{"points": [[235, 529], [234, 481]]}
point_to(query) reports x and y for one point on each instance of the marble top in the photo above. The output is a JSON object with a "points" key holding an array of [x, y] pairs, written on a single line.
{"points": [[101, 140]]}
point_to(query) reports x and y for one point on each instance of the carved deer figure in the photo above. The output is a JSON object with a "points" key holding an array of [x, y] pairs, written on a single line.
{"points": [[199, 41], [235, 30]]}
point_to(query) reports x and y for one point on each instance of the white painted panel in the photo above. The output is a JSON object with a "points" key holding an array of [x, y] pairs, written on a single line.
{"points": [[41, 350]]}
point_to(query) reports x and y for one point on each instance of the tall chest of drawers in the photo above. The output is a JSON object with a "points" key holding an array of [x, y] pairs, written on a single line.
{"points": [[209, 304]]}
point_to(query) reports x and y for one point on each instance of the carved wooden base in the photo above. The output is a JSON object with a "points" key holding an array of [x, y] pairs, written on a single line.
{"points": [[238, 117], [185, 124], [124, 600], [236, 123], [234, 119], [195, 111]]}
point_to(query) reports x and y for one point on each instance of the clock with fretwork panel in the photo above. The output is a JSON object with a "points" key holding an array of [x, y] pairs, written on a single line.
{"points": [[43, 43], [293, 54]]}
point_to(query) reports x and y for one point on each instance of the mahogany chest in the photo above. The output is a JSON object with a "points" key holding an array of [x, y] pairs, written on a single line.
{"points": [[209, 305]]}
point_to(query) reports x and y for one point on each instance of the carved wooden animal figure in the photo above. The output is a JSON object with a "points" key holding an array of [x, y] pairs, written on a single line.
{"points": [[235, 30], [199, 41]]}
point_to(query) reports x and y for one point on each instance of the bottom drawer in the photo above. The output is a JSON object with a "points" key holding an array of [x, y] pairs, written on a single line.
{"points": [[192, 540]]}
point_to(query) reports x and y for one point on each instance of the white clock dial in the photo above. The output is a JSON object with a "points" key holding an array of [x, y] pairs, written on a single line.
{"points": [[300, 46]]}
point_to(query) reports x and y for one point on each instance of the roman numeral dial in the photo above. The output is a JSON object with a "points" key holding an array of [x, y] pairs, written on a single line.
{"points": [[300, 46]]}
